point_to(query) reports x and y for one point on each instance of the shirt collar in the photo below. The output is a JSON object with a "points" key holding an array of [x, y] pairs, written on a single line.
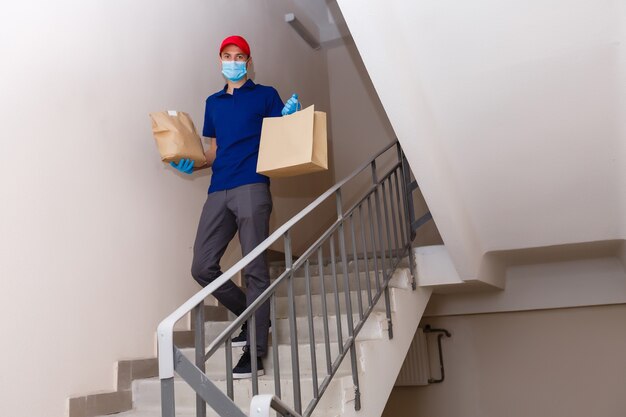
{"points": [[248, 85]]}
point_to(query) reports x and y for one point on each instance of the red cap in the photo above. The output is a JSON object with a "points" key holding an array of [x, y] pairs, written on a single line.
{"points": [[238, 41]]}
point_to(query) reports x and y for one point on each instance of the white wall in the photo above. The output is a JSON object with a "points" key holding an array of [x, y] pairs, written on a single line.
{"points": [[511, 115], [95, 232], [550, 363]]}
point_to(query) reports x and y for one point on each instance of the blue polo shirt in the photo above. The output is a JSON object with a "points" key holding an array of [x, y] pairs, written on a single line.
{"points": [[235, 121]]}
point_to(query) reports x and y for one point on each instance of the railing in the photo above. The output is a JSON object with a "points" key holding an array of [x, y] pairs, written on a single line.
{"points": [[385, 210], [262, 405]]}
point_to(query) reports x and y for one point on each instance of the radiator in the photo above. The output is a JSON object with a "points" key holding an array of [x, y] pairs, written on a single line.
{"points": [[416, 367]]}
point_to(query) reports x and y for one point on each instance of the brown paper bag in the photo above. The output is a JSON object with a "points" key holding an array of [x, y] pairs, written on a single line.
{"points": [[293, 145], [176, 137]]}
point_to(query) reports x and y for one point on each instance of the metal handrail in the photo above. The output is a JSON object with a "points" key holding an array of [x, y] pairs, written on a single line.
{"points": [[261, 405], [170, 357]]}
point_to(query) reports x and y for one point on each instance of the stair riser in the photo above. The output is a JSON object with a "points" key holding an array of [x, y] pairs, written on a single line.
{"points": [[276, 270], [300, 301], [216, 365], [373, 328], [147, 394], [299, 284]]}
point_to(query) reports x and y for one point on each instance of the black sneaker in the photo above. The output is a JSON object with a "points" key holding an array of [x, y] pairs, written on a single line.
{"points": [[241, 339], [244, 366]]}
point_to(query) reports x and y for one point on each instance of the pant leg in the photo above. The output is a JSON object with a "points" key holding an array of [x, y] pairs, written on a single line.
{"points": [[216, 229], [252, 205]]}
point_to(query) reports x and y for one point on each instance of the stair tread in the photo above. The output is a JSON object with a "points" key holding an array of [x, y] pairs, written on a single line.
{"points": [[373, 328], [184, 413], [268, 377]]}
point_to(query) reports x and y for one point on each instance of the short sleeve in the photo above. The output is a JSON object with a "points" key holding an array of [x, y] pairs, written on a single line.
{"points": [[274, 105], [209, 127]]}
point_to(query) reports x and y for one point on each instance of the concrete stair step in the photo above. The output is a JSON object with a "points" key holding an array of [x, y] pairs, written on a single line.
{"points": [[147, 394], [299, 283], [216, 365], [374, 328], [337, 399], [401, 279], [277, 268], [187, 413]]}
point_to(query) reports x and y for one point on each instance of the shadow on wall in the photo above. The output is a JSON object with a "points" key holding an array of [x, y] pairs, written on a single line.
{"points": [[494, 264]]}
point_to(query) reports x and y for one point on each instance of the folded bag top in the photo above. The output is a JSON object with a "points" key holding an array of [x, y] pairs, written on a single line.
{"points": [[176, 137], [293, 145]]}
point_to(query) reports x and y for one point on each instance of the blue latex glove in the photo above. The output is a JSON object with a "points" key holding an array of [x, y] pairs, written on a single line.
{"points": [[291, 105], [184, 165]]}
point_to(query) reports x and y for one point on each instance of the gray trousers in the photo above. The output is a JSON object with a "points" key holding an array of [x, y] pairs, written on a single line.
{"points": [[246, 208]]}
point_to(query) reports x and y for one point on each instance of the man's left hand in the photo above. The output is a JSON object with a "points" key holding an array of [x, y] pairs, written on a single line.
{"points": [[291, 105]]}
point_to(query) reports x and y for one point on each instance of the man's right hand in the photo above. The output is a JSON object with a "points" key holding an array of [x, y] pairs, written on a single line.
{"points": [[184, 165]]}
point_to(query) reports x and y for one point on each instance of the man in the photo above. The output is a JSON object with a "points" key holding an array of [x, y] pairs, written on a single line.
{"points": [[238, 198]]}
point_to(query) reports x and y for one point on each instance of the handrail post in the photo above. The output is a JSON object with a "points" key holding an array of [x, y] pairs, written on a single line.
{"points": [[383, 250], [165, 338], [199, 352], [168, 408], [378, 216], [293, 329], [409, 211], [406, 174], [346, 289]]}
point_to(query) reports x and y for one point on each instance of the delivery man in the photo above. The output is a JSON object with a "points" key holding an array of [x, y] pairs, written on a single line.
{"points": [[238, 199]]}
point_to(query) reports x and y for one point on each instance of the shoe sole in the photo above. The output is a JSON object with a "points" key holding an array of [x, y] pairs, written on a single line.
{"points": [[260, 372]]}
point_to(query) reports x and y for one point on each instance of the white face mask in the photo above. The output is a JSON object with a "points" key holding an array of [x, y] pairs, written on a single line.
{"points": [[234, 70]]}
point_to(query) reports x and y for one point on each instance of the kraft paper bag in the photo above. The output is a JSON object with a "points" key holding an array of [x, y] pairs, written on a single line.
{"points": [[293, 145], [176, 137]]}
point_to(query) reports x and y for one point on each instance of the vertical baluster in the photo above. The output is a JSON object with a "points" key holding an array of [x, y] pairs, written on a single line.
{"points": [[383, 250], [387, 226], [392, 207], [365, 257], [307, 278], [346, 289], [199, 342], [400, 211], [408, 193], [293, 329], [168, 402], [228, 346], [374, 246], [381, 239], [408, 210], [275, 355], [324, 311], [357, 273], [333, 267], [253, 353]]}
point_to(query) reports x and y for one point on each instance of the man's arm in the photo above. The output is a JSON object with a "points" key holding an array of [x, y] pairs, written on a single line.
{"points": [[210, 154]]}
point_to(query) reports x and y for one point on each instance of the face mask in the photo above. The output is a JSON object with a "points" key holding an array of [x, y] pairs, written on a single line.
{"points": [[234, 70]]}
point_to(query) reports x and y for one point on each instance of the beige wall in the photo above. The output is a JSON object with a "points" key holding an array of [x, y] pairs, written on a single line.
{"points": [[95, 232], [575, 283], [549, 363]]}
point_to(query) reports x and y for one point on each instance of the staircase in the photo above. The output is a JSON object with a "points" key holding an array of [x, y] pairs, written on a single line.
{"points": [[344, 313], [379, 362]]}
